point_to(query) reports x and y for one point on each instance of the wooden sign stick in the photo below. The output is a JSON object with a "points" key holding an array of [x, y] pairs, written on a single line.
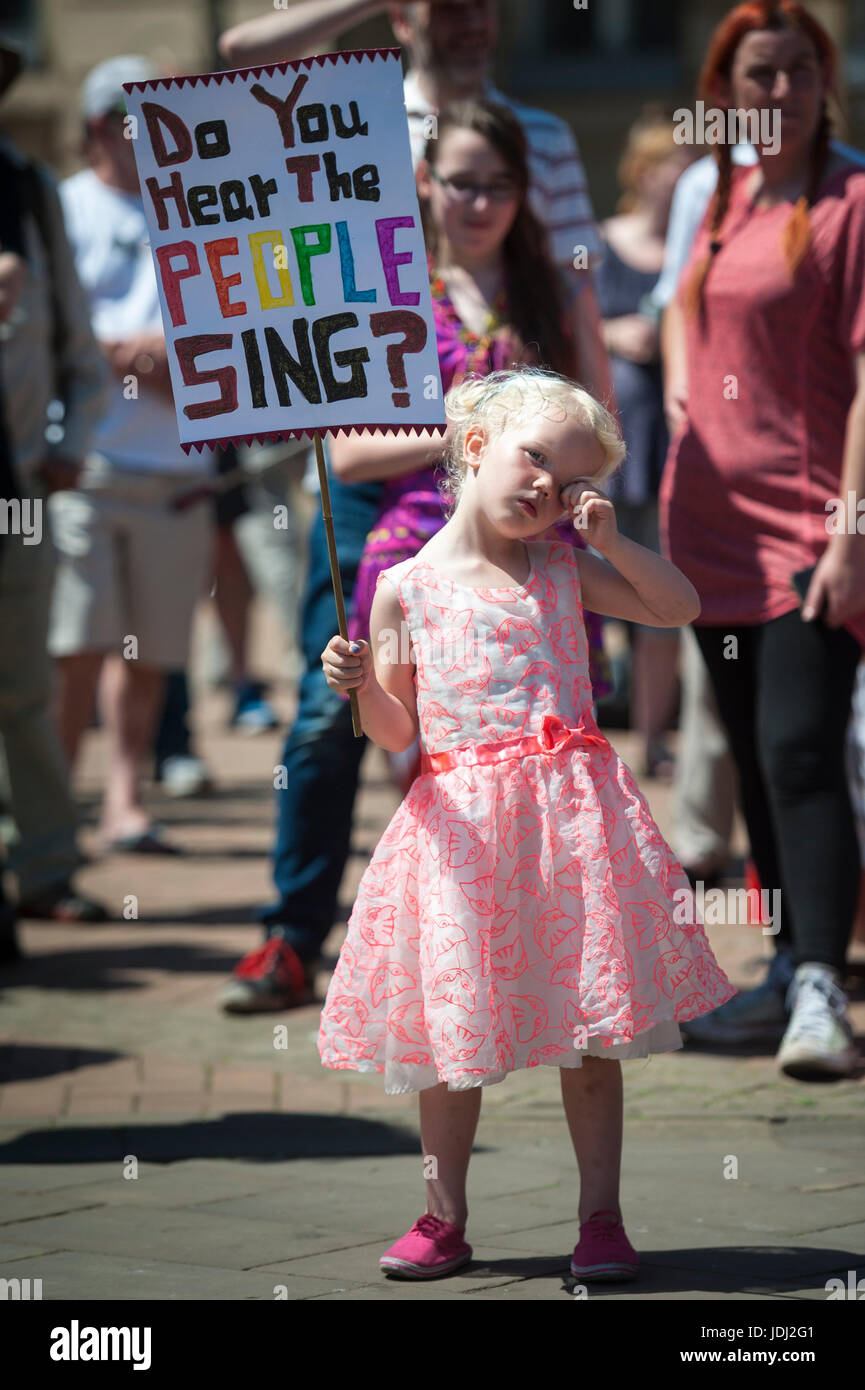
{"points": [[334, 571]]}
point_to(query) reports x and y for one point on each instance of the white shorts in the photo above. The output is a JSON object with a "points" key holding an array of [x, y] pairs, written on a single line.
{"points": [[127, 566]]}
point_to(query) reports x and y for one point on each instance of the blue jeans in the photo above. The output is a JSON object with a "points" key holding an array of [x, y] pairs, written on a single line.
{"points": [[321, 756]]}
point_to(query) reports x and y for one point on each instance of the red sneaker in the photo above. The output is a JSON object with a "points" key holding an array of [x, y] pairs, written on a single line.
{"points": [[430, 1248], [604, 1251], [271, 977]]}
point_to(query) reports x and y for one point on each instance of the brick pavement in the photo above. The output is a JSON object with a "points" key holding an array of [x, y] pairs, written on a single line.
{"points": [[112, 1047]]}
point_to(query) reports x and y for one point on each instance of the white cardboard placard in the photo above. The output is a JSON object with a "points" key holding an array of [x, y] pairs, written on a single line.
{"points": [[286, 236]]}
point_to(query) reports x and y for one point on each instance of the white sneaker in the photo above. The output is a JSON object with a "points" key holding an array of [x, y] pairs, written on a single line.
{"points": [[182, 776], [819, 1039]]}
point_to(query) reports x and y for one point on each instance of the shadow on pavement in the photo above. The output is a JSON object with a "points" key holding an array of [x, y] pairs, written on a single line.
{"points": [[31, 1062], [267, 1137], [104, 968], [713, 1272]]}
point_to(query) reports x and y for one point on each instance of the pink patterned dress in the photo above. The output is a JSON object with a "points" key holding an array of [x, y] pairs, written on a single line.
{"points": [[522, 907]]}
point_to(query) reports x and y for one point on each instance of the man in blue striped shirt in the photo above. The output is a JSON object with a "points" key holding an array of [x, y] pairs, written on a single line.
{"points": [[450, 44]]}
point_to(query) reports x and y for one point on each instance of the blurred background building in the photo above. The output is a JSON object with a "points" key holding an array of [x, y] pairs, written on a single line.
{"points": [[596, 66]]}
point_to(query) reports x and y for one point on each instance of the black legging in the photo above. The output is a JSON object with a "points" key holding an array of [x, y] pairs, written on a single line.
{"points": [[785, 699]]}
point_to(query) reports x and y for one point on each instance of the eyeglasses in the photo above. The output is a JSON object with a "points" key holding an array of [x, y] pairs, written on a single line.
{"points": [[467, 191]]}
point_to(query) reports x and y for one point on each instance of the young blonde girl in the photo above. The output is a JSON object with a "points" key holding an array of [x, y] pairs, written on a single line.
{"points": [[522, 908]]}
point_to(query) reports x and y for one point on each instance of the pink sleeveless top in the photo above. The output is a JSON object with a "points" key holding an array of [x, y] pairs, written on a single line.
{"points": [[771, 382]]}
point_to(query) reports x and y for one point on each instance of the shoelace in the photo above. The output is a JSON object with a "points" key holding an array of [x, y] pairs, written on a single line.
{"points": [[429, 1225], [603, 1230], [256, 960], [813, 997]]}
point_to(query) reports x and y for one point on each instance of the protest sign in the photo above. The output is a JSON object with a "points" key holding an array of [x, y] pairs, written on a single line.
{"points": [[286, 235]]}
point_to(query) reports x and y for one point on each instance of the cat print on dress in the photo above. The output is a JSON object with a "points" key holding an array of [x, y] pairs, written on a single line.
{"points": [[519, 909]]}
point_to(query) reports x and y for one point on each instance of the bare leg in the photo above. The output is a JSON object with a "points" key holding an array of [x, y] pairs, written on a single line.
{"points": [[233, 597], [592, 1096], [656, 676], [704, 790], [78, 677], [448, 1120], [130, 696]]}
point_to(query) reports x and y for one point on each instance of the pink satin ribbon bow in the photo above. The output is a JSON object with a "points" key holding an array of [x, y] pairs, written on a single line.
{"points": [[554, 737]]}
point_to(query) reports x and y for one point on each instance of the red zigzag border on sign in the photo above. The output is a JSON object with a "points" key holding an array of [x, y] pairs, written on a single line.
{"points": [[273, 436], [346, 56]]}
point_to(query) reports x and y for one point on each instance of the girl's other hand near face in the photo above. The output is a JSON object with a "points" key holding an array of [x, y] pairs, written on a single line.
{"points": [[347, 665], [593, 514]]}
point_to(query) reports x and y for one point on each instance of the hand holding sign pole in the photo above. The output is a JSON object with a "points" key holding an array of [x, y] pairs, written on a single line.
{"points": [[335, 577], [286, 236], [414, 336]]}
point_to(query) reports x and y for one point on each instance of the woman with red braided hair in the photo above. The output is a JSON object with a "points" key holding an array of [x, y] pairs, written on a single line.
{"points": [[770, 319]]}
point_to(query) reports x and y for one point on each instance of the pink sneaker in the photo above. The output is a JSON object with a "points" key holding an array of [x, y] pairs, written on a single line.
{"points": [[430, 1248], [604, 1251]]}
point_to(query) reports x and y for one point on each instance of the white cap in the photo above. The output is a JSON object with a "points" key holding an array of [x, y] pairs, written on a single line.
{"points": [[102, 91]]}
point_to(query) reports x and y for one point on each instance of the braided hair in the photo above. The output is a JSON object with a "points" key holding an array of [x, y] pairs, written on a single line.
{"points": [[796, 233]]}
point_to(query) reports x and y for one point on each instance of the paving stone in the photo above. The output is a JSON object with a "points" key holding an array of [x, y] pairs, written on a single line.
{"points": [[405, 1291], [644, 1289], [26, 1099], [164, 1235], [39, 1177], [104, 1104], [21, 1249], [156, 1103], [257, 1165], [167, 1074], [68, 1276], [236, 1079], [22, 1206], [228, 1103], [331, 1214], [311, 1097], [191, 1183]]}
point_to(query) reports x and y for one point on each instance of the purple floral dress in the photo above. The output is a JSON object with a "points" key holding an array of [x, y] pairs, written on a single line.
{"points": [[412, 507]]}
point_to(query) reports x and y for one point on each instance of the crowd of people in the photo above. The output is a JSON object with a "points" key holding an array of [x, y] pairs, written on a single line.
{"points": [[720, 314]]}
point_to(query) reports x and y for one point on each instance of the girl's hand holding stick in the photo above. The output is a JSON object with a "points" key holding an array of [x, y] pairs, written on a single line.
{"points": [[369, 673], [388, 710], [347, 665]]}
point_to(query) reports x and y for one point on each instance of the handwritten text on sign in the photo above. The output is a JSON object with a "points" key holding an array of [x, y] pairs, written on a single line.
{"points": [[285, 229]]}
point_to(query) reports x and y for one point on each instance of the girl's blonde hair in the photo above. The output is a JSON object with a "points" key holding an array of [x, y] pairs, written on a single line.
{"points": [[499, 401]]}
